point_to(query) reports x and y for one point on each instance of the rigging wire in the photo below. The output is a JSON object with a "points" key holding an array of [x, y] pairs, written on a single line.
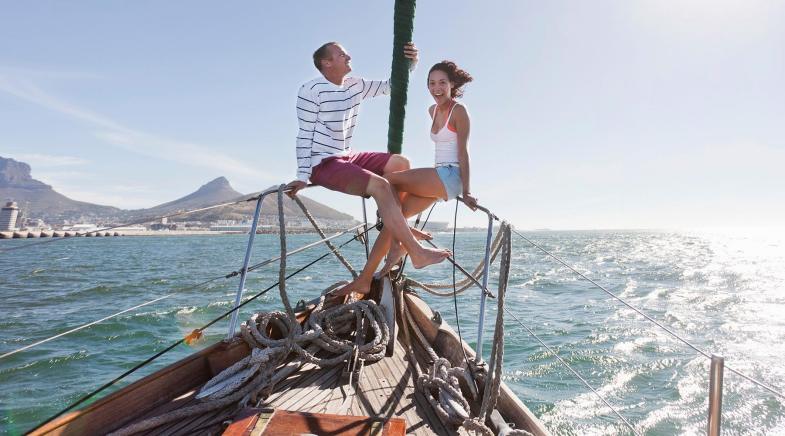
{"points": [[571, 369], [92, 323], [648, 318], [466, 273], [655, 322], [306, 247], [455, 303], [752, 380], [189, 288], [180, 341], [478, 353], [455, 299]]}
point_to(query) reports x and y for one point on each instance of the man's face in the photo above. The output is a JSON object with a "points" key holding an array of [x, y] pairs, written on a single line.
{"points": [[339, 61]]}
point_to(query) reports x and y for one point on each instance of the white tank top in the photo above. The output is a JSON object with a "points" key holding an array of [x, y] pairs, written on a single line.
{"points": [[445, 142]]}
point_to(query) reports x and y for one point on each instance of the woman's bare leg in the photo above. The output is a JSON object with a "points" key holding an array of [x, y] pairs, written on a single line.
{"points": [[424, 182]]}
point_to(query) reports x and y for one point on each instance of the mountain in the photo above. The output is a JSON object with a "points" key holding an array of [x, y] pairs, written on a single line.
{"points": [[220, 191], [39, 200], [244, 211], [214, 192]]}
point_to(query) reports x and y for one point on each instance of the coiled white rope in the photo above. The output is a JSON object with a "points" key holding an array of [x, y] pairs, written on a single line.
{"points": [[440, 384]]}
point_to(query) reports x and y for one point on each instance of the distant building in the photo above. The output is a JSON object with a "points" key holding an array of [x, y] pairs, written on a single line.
{"points": [[8, 216], [163, 225], [130, 229], [238, 228], [82, 228], [37, 224]]}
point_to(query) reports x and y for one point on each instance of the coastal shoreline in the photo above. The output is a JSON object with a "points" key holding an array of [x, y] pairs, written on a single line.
{"points": [[111, 233], [26, 234]]}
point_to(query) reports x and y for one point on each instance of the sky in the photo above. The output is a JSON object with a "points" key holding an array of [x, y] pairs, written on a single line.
{"points": [[585, 115]]}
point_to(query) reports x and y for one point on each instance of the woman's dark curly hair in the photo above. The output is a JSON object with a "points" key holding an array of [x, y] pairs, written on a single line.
{"points": [[457, 76]]}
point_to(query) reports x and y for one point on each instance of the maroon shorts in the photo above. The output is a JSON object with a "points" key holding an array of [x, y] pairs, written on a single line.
{"points": [[349, 174]]}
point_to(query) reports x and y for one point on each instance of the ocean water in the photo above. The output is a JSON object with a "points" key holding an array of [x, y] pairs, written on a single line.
{"points": [[724, 292]]}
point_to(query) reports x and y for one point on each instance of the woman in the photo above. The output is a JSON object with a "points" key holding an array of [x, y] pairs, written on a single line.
{"points": [[423, 186], [450, 134]]}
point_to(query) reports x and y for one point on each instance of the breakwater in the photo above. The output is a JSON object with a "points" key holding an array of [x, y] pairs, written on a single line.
{"points": [[26, 234]]}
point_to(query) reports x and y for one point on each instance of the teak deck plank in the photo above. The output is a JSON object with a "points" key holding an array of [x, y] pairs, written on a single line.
{"points": [[394, 404], [334, 404], [319, 381], [374, 391], [285, 388], [405, 395], [365, 394], [327, 386], [400, 396], [385, 389], [429, 423], [302, 380], [355, 406], [299, 391]]}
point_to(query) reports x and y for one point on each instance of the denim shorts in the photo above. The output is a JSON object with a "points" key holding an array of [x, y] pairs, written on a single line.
{"points": [[451, 179]]}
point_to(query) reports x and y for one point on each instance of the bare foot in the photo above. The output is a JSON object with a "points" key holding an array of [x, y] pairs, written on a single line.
{"points": [[420, 235], [360, 285], [429, 256], [393, 257]]}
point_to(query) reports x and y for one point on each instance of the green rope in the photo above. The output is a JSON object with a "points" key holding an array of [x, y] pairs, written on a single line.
{"points": [[403, 25]]}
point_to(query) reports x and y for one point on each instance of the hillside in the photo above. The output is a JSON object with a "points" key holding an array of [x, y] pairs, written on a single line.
{"points": [[245, 210], [40, 200], [214, 192]]}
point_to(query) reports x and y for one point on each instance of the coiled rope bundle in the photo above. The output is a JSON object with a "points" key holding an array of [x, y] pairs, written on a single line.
{"points": [[441, 384], [327, 329]]}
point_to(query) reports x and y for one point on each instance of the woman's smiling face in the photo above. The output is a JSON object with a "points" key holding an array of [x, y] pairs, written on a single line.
{"points": [[439, 86]]}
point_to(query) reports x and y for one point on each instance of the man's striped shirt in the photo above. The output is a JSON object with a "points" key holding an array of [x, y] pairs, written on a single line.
{"points": [[328, 115]]}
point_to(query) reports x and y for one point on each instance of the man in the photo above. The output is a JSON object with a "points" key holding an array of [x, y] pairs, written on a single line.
{"points": [[327, 109]]}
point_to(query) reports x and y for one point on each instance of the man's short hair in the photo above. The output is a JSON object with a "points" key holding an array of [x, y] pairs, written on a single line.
{"points": [[322, 53]]}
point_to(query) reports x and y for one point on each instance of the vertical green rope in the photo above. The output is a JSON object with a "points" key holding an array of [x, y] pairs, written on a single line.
{"points": [[403, 25]]}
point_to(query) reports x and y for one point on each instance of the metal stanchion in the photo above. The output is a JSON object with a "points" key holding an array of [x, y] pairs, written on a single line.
{"points": [[365, 238], [483, 296], [715, 394]]}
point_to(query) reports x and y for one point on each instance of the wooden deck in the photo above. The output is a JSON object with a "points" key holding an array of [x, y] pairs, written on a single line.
{"points": [[386, 389]]}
